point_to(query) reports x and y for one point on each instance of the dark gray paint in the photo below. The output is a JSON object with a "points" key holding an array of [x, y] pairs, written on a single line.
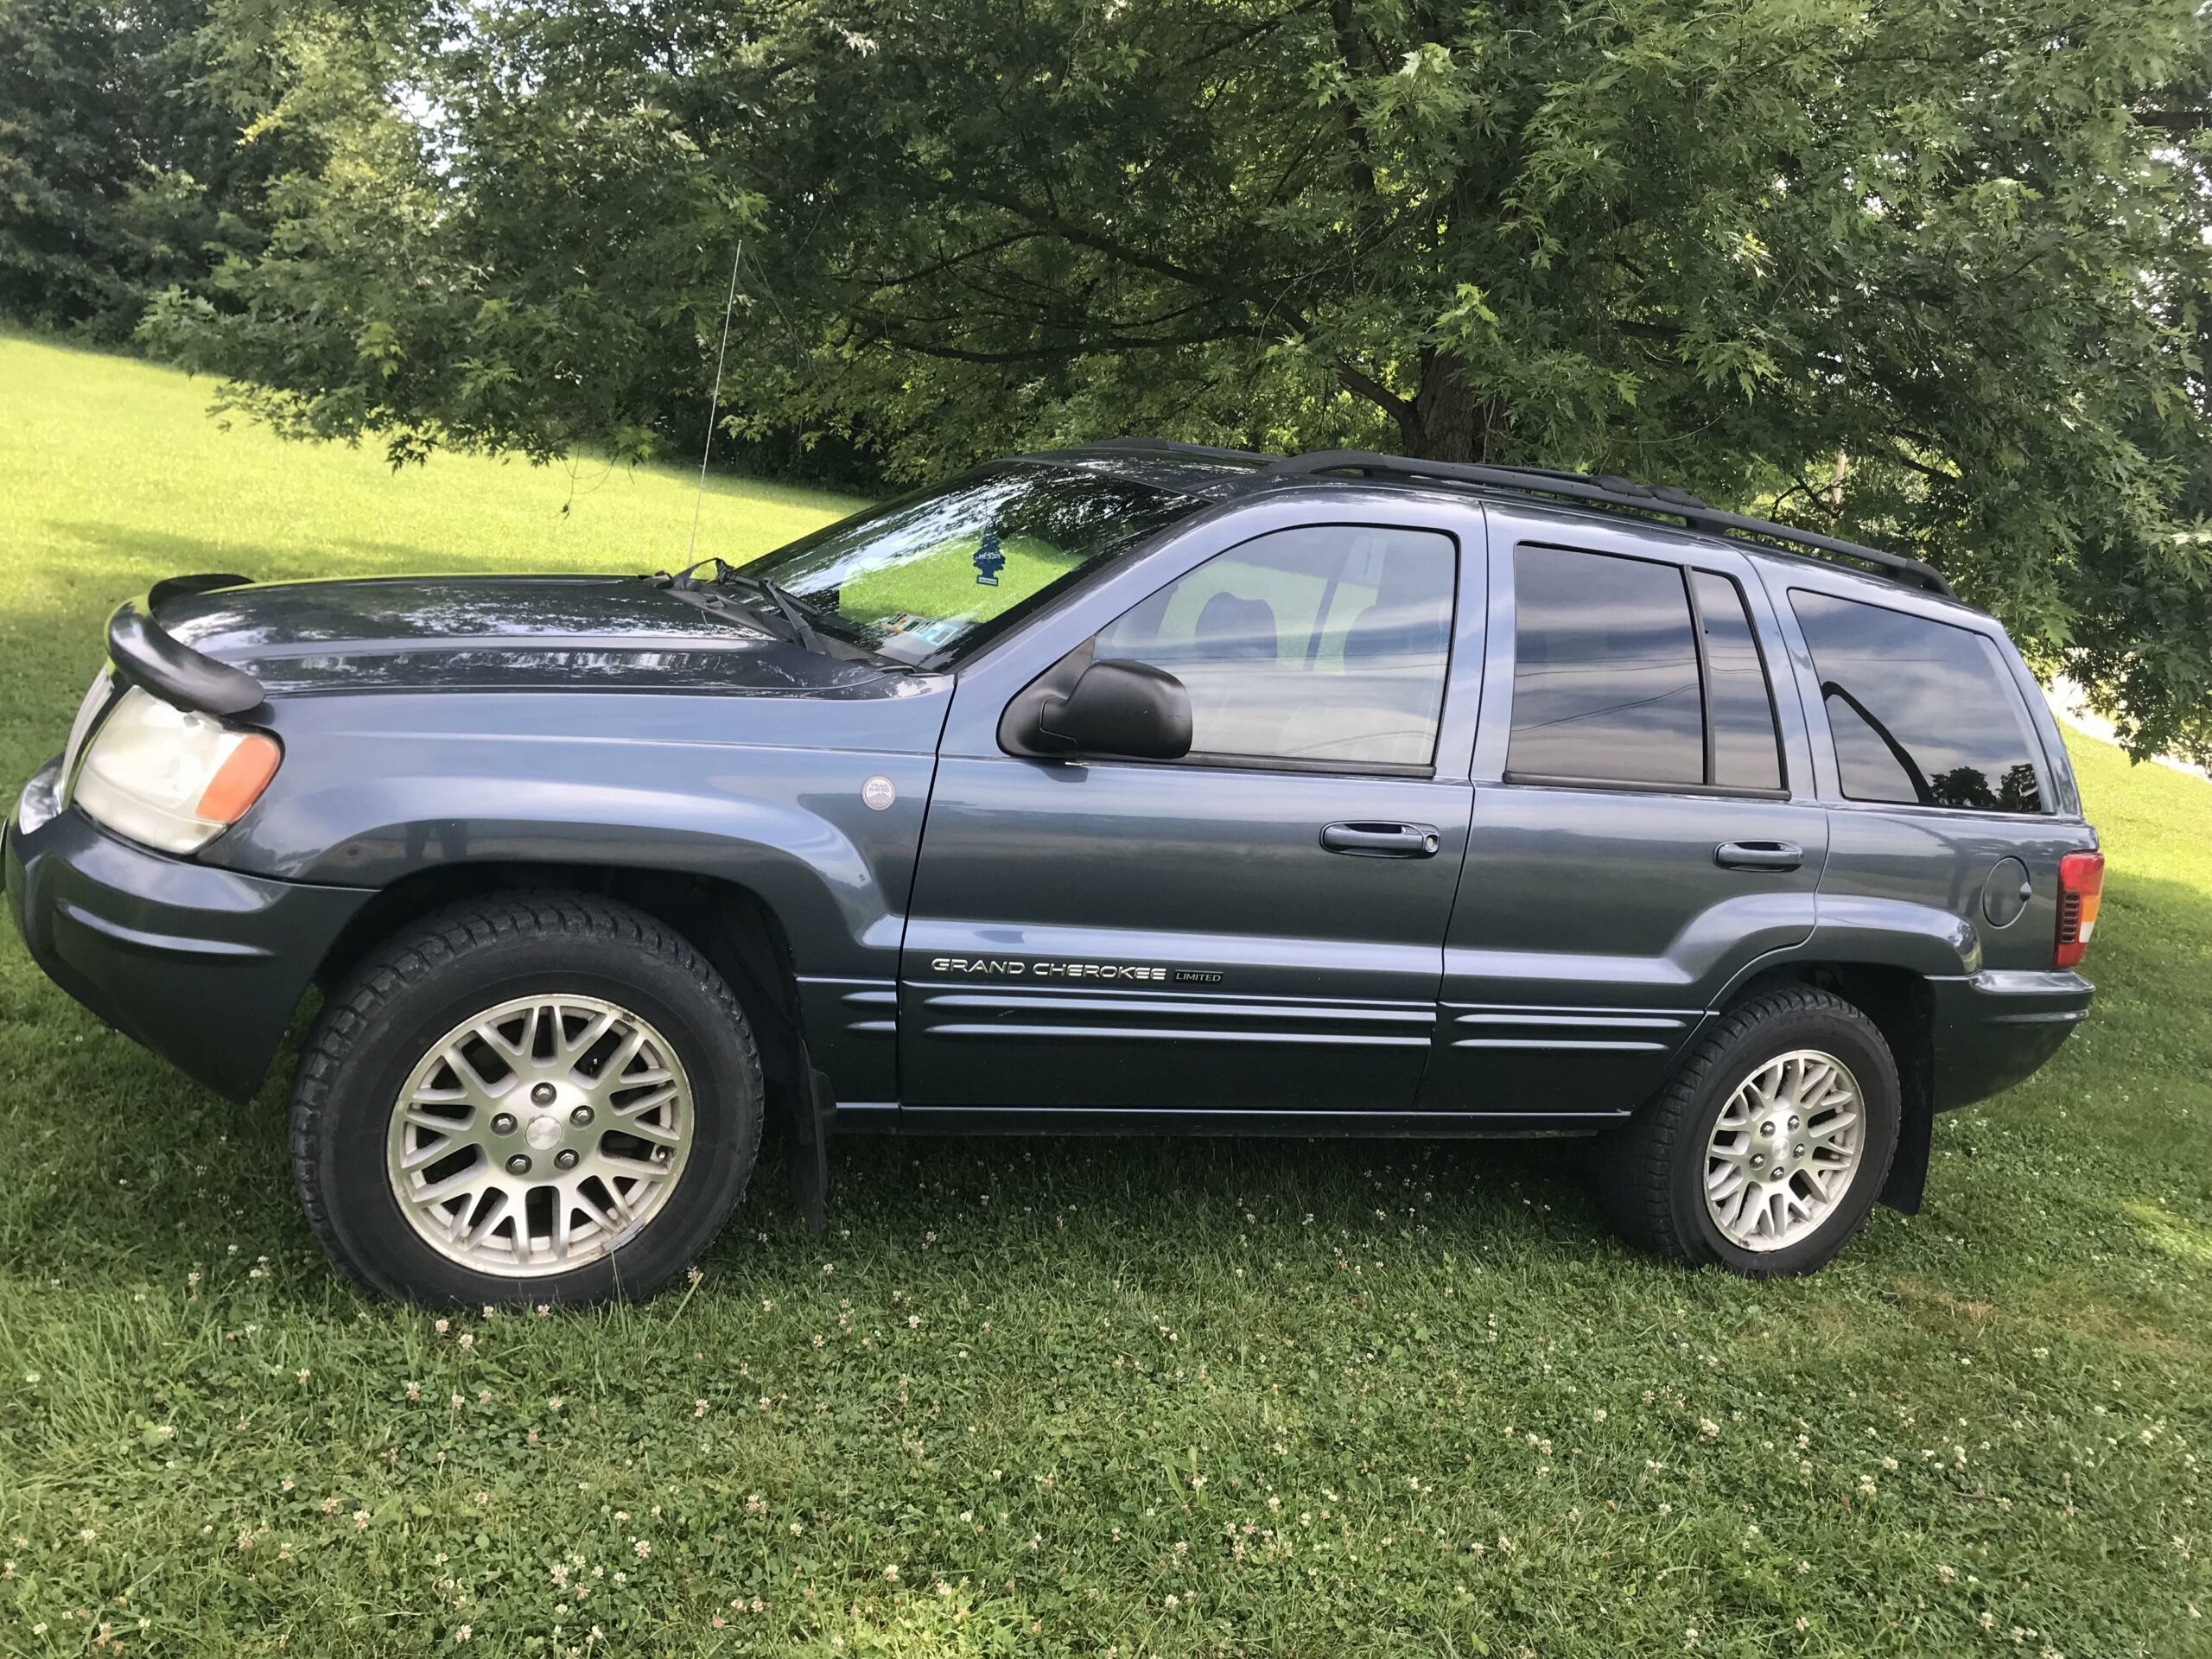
{"points": [[1545, 966]]}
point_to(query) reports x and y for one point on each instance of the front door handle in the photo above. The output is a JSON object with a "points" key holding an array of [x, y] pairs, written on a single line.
{"points": [[1382, 840], [1759, 856]]}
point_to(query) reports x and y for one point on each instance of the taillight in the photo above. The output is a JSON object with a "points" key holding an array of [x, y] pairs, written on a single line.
{"points": [[2081, 885]]}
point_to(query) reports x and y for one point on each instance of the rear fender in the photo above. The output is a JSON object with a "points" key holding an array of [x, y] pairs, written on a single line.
{"points": [[1888, 958]]}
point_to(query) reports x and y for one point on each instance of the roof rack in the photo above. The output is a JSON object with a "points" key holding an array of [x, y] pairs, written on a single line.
{"points": [[1606, 489], [1210, 451]]}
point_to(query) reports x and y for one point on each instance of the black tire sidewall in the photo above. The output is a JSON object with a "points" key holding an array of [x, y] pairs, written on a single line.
{"points": [[1859, 1046], [365, 1214]]}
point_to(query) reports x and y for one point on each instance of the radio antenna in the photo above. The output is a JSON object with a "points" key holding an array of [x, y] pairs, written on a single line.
{"points": [[714, 404]]}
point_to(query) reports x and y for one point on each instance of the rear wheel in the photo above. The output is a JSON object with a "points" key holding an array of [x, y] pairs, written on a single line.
{"points": [[1766, 1151], [528, 1098]]}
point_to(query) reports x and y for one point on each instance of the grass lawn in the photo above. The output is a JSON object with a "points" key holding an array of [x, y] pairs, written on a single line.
{"points": [[1097, 1397]]}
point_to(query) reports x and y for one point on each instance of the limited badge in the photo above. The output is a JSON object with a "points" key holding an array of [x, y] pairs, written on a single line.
{"points": [[878, 793], [989, 561]]}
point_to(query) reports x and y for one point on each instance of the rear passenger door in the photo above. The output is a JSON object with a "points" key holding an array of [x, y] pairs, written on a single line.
{"points": [[1644, 828]]}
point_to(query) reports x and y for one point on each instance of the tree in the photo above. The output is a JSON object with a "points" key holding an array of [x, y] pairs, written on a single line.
{"points": [[121, 172], [1928, 275]]}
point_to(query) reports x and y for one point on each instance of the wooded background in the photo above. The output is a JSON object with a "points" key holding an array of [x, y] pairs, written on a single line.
{"points": [[1933, 275]]}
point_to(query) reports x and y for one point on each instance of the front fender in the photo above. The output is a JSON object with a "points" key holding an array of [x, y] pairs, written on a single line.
{"points": [[376, 789]]}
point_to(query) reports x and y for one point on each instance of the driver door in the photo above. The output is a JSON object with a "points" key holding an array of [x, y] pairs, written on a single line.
{"points": [[1257, 927]]}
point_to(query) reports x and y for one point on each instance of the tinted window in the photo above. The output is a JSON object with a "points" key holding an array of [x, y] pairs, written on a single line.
{"points": [[1327, 643], [1920, 711], [1604, 676], [1745, 754]]}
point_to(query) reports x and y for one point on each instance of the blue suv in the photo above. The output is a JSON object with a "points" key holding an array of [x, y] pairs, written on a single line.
{"points": [[1136, 787]]}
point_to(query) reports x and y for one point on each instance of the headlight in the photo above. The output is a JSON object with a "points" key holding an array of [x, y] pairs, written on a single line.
{"points": [[171, 778]]}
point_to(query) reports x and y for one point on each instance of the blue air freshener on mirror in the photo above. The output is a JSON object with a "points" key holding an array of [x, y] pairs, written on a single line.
{"points": [[989, 560]]}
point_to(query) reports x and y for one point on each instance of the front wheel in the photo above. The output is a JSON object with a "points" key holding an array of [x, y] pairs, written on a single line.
{"points": [[530, 1097], [1766, 1151]]}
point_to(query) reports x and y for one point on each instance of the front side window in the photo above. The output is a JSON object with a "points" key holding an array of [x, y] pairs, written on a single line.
{"points": [[1921, 712], [1326, 645], [928, 578]]}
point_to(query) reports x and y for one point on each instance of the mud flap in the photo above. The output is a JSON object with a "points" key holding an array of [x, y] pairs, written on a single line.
{"points": [[1908, 1180], [806, 1149]]}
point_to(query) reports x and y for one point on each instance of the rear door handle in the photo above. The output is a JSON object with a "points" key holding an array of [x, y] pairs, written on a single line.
{"points": [[1759, 856], [1382, 840]]}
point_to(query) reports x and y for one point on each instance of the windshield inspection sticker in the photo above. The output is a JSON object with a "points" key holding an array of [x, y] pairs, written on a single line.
{"points": [[989, 560], [878, 793]]}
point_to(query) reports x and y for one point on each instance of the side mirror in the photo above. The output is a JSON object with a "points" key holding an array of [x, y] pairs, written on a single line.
{"points": [[1119, 707]]}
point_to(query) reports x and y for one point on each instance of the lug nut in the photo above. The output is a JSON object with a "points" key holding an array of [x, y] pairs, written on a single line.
{"points": [[1801, 1152], [1758, 1162], [519, 1164], [1793, 1122], [581, 1116], [1766, 1129], [542, 1094], [503, 1123], [566, 1158]]}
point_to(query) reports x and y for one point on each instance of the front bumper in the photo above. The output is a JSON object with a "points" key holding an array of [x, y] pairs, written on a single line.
{"points": [[203, 966], [1997, 1027]]}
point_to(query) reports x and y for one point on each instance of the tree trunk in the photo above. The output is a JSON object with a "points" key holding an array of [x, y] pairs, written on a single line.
{"points": [[1448, 420], [1445, 420]]}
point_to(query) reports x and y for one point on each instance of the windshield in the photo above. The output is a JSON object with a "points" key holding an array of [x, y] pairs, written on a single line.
{"points": [[928, 578]]}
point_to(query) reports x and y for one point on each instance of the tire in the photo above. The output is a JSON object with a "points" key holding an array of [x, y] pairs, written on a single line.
{"points": [[681, 1106], [1653, 1171]]}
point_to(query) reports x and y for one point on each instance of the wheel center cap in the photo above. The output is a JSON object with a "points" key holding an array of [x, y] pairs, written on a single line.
{"points": [[544, 1132]]}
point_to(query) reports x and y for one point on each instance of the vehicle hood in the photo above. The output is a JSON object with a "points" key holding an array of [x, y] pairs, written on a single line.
{"points": [[428, 634]]}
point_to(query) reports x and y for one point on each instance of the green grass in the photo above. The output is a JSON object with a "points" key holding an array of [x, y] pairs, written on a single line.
{"points": [[1119, 1397]]}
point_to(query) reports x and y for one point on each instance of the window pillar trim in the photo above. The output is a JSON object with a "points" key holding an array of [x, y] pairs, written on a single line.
{"points": [[1704, 670]]}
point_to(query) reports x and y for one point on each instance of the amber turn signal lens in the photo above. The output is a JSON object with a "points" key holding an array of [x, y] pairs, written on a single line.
{"points": [[237, 783]]}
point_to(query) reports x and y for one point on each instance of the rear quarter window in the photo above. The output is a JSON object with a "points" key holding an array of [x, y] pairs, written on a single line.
{"points": [[1921, 712]]}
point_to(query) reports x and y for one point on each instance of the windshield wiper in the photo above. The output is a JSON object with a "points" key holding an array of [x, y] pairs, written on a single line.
{"points": [[786, 605], [789, 610]]}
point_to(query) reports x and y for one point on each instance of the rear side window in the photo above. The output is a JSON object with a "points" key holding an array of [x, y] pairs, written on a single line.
{"points": [[1921, 712], [1746, 753], [1619, 678]]}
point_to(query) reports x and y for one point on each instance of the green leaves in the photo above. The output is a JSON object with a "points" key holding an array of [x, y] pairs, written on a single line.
{"points": [[1934, 275]]}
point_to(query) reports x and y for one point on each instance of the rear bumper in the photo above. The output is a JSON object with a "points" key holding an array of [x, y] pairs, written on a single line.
{"points": [[203, 966], [1997, 1027]]}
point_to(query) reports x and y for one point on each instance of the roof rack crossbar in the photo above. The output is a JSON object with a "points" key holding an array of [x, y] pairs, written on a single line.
{"points": [[1618, 492]]}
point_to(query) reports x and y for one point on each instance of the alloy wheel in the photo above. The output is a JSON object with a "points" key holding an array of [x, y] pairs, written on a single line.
{"points": [[1784, 1151], [537, 1137]]}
